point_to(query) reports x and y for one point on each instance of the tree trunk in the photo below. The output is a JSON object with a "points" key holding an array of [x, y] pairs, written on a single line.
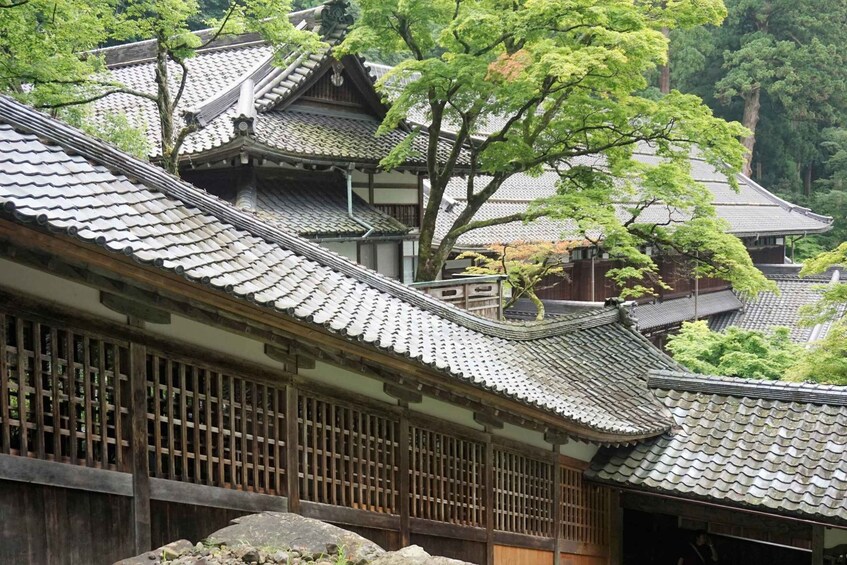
{"points": [[750, 120], [539, 306], [807, 180], [165, 108], [665, 70]]}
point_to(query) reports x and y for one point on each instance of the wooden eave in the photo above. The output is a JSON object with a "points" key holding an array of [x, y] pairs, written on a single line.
{"points": [[81, 261]]}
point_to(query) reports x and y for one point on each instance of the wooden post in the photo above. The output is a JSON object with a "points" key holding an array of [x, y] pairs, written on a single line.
{"points": [[817, 544], [291, 449], [489, 500], [140, 471], [404, 487], [615, 528], [557, 507]]}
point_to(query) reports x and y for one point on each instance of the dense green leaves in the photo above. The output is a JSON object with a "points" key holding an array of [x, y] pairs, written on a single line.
{"points": [[533, 84], [735, 352]]}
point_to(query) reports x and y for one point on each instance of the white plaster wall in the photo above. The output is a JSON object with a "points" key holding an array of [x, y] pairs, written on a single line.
{"points": [[54, 289], [344, 248], [389, 195], [393, 177], [834, 536], [348, 380], [445, 411]]}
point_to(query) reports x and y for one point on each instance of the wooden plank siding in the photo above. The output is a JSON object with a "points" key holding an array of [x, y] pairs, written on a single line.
{"points": [[175, 426]]}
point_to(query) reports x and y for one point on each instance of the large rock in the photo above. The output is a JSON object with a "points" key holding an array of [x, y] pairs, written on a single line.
{"points": [[414, 555], [283, 531]]}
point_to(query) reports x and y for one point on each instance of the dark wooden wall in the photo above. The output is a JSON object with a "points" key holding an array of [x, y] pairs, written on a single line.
{"points": [[577, 285], [60, 526]]}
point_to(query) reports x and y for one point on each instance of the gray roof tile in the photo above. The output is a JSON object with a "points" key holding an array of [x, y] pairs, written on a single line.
{"points": [[750, 211], [771, 309], [782, 447], [319, 209], [586, 369]]}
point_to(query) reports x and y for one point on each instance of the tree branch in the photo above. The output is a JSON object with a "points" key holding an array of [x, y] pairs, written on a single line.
{"points": [[95, 98]]}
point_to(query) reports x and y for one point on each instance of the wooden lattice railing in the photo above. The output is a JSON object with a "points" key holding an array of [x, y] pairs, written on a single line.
{"points": [[446, 478], [524, 494], [347, 457], [65, 395], [209, 427]]}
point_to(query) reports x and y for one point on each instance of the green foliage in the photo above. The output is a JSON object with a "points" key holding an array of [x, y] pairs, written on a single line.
{"points": [[41, 42], [545, 83], [791, 54], [525, 265], [827, 363], [735, 352]]}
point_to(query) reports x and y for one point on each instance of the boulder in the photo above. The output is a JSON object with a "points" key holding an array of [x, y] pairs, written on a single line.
{"points": [[283, 531], [414, 555]]}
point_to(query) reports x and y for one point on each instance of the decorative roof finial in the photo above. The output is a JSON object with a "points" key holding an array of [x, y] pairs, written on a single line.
{"points": [[332, 14]]}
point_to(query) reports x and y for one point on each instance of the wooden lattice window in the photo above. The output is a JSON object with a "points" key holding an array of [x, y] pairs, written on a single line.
{"points": [[64, 395], [585, 508], [447, 475], [206, 426], [523, 494], [347, 456]]}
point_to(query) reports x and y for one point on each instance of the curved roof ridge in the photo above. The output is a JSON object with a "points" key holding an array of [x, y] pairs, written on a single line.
{"points": [[783, 203], [735, 386], [61, 134]]}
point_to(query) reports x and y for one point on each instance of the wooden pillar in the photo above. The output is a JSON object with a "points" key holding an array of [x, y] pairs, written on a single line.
{"points": [[817, 544], [292, 464], [138, 438], [615, 528], [404, 488], [489, 500], [557, 506]]}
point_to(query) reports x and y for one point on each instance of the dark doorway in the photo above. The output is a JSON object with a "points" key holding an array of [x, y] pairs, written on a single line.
{"points": [[657, 539]]}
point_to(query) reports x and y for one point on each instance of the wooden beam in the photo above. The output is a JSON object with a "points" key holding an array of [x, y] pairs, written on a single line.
{"points": [[64, 475], [485, 419], [615, 528], [710, 512], [488, 490], [556, 437], [817, 544], [557, 505], [404, 489], [445, 530], [135, 309], [215, 497], [138, 444], [349, 516], [402, 393], [292, 461], [523, 540]]}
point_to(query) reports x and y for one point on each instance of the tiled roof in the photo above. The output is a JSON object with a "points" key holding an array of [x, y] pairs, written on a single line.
{"points": [[318, 209], [769, 446], [675, 310], [750, 211], [211, 98], [587, 370], [305, 131], [770, 309]]}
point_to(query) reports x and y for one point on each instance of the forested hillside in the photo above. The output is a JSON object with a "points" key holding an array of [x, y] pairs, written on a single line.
{"points": [[778, 66]]}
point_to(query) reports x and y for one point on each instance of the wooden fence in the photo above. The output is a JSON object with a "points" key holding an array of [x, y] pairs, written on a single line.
{"points": [[74, 396]]}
